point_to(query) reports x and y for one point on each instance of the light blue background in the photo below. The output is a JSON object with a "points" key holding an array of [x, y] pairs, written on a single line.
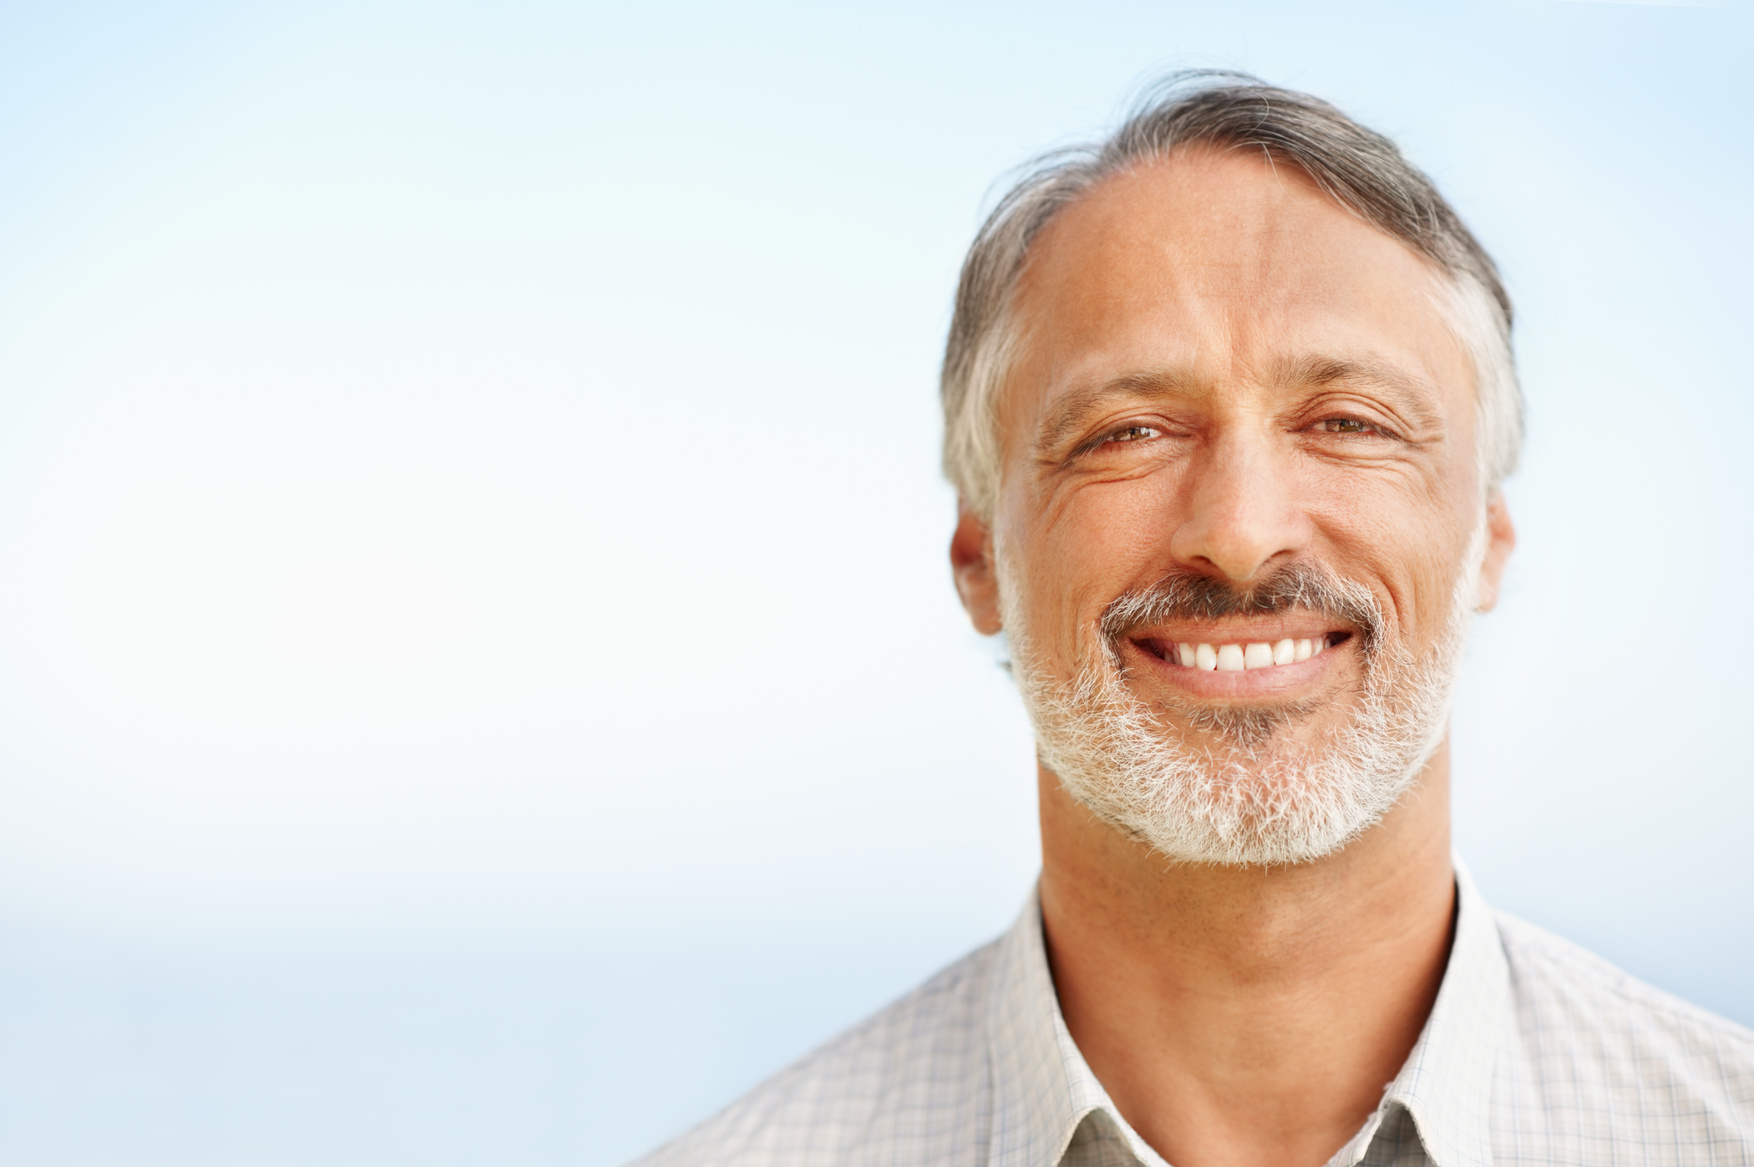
{"points": [[478, 675]]}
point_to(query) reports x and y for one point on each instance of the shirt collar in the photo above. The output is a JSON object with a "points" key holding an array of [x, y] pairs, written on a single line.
{"points": [[1446, 1082], [1043, 1089]]}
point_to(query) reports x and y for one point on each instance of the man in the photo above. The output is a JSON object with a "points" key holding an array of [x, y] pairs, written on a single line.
{"points": [[1227, 399]]}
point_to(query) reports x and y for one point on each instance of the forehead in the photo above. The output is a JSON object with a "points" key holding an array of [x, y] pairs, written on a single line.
{"points": [[1221, 266]]}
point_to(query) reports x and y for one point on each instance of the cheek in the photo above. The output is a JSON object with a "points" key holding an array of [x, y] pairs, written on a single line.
{"points": [[1072, 553], [1406, 540]]}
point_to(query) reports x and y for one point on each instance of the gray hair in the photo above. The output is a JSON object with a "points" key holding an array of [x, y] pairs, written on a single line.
{"points": [[1358, 168]]}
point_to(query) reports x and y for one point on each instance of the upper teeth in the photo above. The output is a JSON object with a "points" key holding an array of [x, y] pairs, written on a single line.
{"points": [[1234, 658]]}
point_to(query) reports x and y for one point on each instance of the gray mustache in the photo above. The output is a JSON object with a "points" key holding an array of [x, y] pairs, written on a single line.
{"points": [[1297, 587]]}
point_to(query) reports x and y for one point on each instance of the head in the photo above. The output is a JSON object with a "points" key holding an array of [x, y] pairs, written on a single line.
{"points": [[1228, 397]]}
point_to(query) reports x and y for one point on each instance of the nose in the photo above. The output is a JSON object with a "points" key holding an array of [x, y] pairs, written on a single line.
{"points": [[1241, 514]]}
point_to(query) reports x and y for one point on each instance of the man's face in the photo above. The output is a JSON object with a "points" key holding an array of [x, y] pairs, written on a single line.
{"points": [[1230, 392]]}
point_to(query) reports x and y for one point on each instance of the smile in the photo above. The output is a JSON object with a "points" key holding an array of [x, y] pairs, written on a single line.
{"points": [[1236, 658], [1264, 656]]}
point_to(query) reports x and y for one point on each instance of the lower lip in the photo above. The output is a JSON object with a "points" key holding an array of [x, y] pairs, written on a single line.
{"points": [[1274, 680]]}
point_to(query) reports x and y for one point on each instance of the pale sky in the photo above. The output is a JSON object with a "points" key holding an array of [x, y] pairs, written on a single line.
{"points": [[477, 462]]}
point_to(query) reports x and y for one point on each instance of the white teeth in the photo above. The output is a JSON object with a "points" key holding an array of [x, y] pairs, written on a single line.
{"points": [[1234, 658]]}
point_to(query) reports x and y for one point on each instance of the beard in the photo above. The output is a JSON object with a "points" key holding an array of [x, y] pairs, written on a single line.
{"points": [[1254, 792]]}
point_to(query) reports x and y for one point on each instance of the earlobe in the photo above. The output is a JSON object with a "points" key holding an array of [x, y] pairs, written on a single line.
{"points": [[1500, 542], [971, 565]]}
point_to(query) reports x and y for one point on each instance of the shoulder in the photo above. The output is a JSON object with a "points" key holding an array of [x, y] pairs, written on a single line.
{"points": [[1608, 1059], [909, 1084], [1610, 1009]]}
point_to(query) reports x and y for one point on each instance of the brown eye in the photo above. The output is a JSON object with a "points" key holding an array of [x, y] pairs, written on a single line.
{"points": [[1346, 425], [1133, 433]]}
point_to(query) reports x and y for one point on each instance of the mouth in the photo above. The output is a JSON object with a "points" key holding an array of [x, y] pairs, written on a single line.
{"points": [[1237, 656], [1240, 664]]}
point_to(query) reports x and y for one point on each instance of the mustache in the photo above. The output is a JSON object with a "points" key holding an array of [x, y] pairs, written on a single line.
{"points": [[1296, 587]]}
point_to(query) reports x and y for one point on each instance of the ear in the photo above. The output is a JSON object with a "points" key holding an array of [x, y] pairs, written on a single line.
{"points": [[1500, 542], [971, 565]]}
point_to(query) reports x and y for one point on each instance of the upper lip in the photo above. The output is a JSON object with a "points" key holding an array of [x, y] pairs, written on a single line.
{"points": [[1268, 631]]}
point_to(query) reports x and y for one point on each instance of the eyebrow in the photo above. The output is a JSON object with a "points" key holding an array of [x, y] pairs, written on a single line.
{"points": [[1070, 414], [1409, 393]]}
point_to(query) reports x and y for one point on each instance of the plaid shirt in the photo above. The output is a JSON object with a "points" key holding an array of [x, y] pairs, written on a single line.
{"points": [[1536, 1052]]}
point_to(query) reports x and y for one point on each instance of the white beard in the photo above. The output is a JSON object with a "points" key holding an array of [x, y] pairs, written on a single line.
{"points": [[1259, 796]]}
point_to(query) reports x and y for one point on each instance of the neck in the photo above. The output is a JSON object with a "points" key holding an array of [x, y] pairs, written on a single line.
{"points": [[1246, 1014]]}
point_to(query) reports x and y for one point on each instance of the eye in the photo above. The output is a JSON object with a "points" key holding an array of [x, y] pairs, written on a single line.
{"points": [[1134, 433], [1346, 425]]}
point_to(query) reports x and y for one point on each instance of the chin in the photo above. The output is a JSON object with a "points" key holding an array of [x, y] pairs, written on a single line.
{"points": [[1236, 784]]}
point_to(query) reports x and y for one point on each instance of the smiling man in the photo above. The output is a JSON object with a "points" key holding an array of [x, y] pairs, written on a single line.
{"points": [[1228, 398]]}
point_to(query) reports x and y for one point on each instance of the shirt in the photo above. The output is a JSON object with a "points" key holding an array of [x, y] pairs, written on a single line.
{"points": [[1535, 1052]]}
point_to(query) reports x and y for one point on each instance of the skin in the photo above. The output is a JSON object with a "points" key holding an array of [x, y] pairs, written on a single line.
{"points": [[1225, 372]]}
